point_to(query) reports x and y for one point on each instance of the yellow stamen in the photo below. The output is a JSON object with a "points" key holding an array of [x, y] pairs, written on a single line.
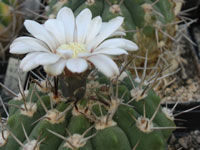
{"points": [[75, 47]]}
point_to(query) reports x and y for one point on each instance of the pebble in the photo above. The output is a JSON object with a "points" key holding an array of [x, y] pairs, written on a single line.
{"points": [[183, 143], [198, 139], [190, 141]]}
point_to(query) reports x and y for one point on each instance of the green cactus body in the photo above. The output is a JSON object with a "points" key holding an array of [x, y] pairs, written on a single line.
{"points": [[15, 122], [96, 8], [50, 142], [113, 138], [166, 6], [137, 12], [18, 101], [155, 138], [52, 122], [13, 109], [114, 11], [113, 124], [151, 102], [78, 124], [145, 141]]}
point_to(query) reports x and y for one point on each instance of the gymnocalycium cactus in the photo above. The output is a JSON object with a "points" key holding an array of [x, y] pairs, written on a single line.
{"points": [[152, 24], [76, 107]]}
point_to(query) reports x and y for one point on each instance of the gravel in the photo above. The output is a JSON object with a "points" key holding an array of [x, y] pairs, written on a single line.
{"points": [[185, 141]]}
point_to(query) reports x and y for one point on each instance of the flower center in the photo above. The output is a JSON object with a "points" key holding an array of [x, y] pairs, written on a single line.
{"points": [[77, 48]]}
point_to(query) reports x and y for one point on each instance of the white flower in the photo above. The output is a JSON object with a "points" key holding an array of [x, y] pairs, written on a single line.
{"points": [[72, 42]]}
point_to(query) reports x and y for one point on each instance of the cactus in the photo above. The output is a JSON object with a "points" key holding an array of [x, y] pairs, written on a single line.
{"points": [[77, 107], [109, 116], [150, 23]]}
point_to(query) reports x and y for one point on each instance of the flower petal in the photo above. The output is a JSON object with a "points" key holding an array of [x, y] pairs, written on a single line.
{"points": [[66, 16], [104, 64], [82, 23], [93, 29], [118, 33], [64, 53], [28, 62], [46, 58], [25, 44], [56, 28], [111, 51], [38, 31], [118, 43], [56, 68], [84, 54], [77, 65], [107, 30]]}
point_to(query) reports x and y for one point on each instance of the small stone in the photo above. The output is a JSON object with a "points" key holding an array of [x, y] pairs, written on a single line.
{"points": [[196, 132], [172, 139], [177, 146], [198, 139], [183, 143], [189, 81]]}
